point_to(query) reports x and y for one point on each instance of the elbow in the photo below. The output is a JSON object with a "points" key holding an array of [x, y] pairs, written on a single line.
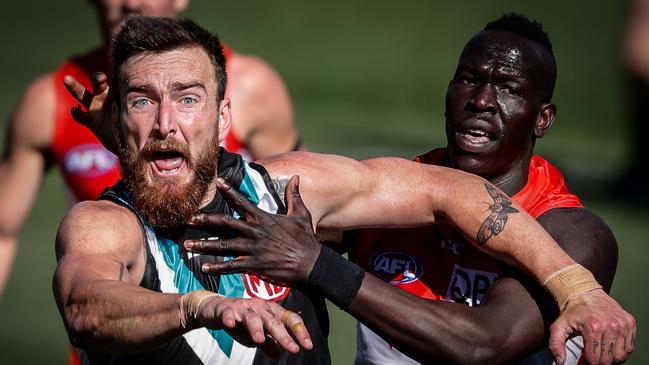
{"points": [[83, 329]]}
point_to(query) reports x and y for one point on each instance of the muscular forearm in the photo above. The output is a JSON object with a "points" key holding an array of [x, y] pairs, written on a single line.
{"points": [[447, 332], [119, 317], [489, 219]]}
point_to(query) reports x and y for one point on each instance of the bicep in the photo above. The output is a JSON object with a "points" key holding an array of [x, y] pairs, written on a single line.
{"points": [[344, 193], [89, 251], [586, 238]]}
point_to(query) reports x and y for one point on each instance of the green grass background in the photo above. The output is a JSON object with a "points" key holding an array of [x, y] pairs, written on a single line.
{"points": [[367, 78]]}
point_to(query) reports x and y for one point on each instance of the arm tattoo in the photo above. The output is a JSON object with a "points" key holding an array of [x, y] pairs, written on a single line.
{"points": [[497, 219], [280, 187]]}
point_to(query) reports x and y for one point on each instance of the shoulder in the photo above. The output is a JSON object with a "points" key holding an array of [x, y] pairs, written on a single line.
{"points": [[33, 119], [97, 227], [251, 70], [586, 238], [252, 80]]}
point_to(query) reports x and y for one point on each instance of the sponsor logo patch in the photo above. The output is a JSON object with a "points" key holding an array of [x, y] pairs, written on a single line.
{"points": [[396, 267], [89, 160], [468, 286], [258, 288]]}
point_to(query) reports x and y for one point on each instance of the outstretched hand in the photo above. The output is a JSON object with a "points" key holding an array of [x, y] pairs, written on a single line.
{"points": [[278, 248], [607, 329], [93, 110], [256, 323]]}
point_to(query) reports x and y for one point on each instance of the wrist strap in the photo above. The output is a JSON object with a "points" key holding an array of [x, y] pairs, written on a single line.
{"points": [[571, 280], [338, 278], [189, 305]]}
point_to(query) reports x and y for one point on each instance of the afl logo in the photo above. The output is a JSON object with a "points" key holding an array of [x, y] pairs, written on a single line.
{"points": [[89, 160], [396, 267], [258, 288]]}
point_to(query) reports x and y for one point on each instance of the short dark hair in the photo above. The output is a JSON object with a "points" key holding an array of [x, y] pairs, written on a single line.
{"points": [[523, 26], [141, 34], [527, 28]]}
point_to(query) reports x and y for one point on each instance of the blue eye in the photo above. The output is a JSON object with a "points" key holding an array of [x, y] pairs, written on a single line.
{"points": [[141, 102], [188, 100]]}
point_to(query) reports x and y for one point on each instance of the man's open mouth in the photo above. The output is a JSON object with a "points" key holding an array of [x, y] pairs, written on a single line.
{"points": [[167, 162], [474, 139]]}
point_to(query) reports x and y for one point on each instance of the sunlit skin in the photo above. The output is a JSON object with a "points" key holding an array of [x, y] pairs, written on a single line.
{"points": [[497, 105], [174, 102]]}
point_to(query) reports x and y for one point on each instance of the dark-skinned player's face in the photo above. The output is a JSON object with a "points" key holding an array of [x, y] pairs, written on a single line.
{"points": [[495, 103]]}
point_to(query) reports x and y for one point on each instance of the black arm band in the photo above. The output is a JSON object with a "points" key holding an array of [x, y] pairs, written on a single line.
{"points": [[338, 278]]}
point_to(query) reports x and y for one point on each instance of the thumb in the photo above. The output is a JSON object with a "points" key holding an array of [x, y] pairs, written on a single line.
{"points": [[295, 205], [559, 333], [79, 115]]}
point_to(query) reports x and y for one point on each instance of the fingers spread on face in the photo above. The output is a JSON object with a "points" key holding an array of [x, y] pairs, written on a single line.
{"points": [[77, 90], [99, 82]]}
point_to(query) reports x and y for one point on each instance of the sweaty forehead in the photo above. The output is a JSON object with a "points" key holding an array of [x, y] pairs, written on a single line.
{"points": [[507, 53]]}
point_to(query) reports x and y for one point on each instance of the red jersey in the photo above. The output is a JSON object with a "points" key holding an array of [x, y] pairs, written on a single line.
{"points": [[436, 262], [87, 167]]}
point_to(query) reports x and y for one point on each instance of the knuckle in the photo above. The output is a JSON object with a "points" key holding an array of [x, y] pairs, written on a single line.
{"points": [[594, 326], [274, 324], [256, 302], [231, 265]]}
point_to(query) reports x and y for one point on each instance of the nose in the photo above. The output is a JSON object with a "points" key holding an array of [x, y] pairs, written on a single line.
{"points": [[484, 99], [165, 122]]}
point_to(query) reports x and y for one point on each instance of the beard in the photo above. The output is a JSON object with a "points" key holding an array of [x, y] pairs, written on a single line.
{"points": [[167, 203]]}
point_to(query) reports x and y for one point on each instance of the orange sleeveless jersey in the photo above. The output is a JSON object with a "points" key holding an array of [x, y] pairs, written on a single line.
{"points": [[436, 262], [86, 165]]}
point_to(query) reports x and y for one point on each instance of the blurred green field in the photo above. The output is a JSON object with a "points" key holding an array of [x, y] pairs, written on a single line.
{"points": [[367, 78]]}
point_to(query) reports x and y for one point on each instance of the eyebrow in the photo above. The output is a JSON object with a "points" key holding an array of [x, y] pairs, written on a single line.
{"points": [[138, 88], [176, 86], [180, 86]]}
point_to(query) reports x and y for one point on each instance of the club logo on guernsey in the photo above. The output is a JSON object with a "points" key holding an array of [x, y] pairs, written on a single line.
{"points": [[396, 267], [89, 160], [468, 286], [258, 288]]}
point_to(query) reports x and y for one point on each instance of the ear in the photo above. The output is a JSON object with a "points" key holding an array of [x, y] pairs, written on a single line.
{"points": [[545, 120], [225, 119], [180, 5]]}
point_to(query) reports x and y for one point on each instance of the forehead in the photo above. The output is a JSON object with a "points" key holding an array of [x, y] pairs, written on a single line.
{"points": [[505, 52], [178, 65]]}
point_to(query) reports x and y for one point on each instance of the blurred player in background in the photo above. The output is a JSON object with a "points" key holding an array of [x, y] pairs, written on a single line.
{"points": [[43, 133], [632, 186]]}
